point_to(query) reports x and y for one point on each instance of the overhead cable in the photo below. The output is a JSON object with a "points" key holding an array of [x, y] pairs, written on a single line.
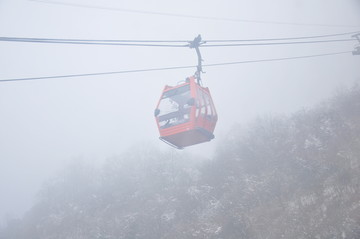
{"points": [[32, 39], [144, 44], [103, 40], [278, 43], [172, 68], [191, 16], [79, 42], [287, 38]]}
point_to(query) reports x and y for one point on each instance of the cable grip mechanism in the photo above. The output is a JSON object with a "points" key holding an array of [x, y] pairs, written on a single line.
{"points": [[357, 48], [196, 44]]}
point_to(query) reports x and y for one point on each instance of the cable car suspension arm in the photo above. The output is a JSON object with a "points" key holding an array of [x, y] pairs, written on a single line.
{"points": [[357, 49], [196, 44]]}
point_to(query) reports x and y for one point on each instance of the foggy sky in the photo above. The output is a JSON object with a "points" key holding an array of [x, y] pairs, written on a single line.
{"points": [[46, 124]]}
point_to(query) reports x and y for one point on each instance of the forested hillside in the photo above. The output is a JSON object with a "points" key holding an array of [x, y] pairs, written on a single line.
{"points": [[287, 177]]}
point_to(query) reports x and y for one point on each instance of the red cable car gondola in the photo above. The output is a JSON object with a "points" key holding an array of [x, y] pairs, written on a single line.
{"points": [[185, 114]]}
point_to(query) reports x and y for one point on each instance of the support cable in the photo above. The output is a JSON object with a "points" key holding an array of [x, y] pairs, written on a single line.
{"points": [[79, 42], [287, 38], [83, 42], [278, 43], [172, 68], [24, 39], [227, 19]]}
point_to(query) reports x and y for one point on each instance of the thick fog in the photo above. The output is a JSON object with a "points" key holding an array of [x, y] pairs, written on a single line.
{"points": [[46, 124]]}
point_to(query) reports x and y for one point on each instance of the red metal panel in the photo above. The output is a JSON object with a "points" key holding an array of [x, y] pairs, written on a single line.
{"points": [[201, 123]]}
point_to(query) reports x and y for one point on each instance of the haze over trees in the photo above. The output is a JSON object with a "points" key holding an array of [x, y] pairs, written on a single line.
{"points": [[280, 177]]}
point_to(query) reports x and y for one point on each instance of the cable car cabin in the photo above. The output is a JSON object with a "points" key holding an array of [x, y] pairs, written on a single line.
{"points": [[186, 115]]}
